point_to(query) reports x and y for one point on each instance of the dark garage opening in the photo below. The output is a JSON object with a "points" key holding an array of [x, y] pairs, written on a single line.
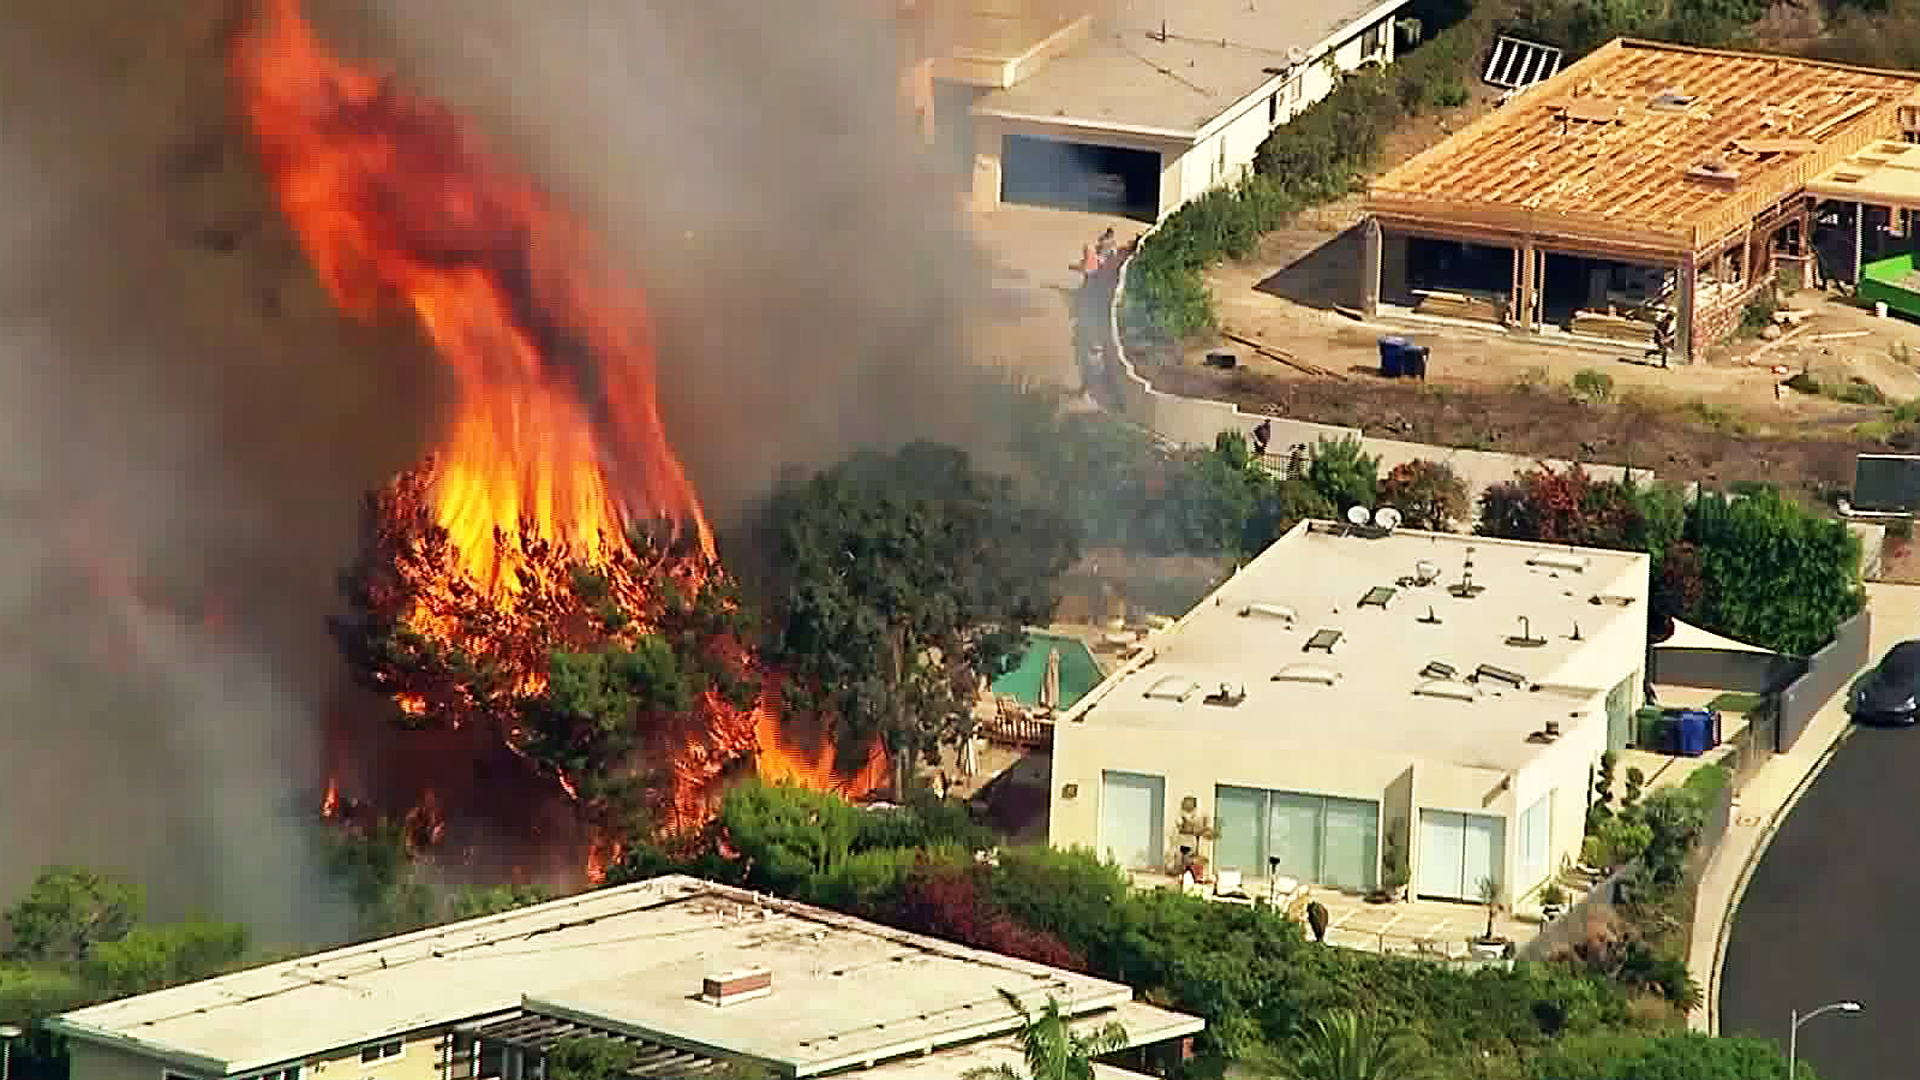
{"points": [[1080, 176]]}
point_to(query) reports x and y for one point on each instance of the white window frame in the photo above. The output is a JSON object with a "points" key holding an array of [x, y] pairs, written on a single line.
{"points": [[380, 1051]]}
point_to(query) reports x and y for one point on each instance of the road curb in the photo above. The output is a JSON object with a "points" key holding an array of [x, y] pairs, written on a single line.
{"points": [[1752, 861]]}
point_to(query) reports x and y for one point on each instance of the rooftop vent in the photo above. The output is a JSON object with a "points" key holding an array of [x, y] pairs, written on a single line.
{"points": [[1525, 639], [1268, 611], [1548, 733], [1323, 640], [1429, 618], [1447, 688], [733, 987], [1307, 673], [1500, 674], [1378, 596], [1438, 670], [1671, 101], [1605, 600], [1560, 560], [1172, 688], [1228, 695]]}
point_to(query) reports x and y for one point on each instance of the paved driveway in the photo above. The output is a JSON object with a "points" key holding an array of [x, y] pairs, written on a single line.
{"points": [[1827, 915]]}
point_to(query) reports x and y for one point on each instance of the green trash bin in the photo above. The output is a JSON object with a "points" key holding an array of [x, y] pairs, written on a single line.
{"points": [[1653, 730]]}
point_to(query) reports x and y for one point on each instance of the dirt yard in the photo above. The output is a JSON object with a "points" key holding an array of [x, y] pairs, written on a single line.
{"points": [[1029, 323], [1722, 420]]}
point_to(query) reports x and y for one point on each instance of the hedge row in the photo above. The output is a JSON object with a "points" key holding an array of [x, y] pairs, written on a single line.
{"points": [[1317, 157]]}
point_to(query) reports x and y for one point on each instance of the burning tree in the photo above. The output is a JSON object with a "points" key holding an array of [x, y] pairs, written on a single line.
{"points": [[622, 678], [502, 586]]}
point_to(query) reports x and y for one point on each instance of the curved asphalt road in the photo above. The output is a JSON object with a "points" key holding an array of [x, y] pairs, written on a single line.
{"points": [[1830, 914]]}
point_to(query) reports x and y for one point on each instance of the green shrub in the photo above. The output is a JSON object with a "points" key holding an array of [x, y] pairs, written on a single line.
{"points": [[1858, 391], [865, 883], [1593, 386], [1450, 96], [1759, 312], [1706, 784]]}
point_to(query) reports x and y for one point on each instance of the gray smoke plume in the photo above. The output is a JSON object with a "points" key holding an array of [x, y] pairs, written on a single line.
{"points": [[186, 425]]}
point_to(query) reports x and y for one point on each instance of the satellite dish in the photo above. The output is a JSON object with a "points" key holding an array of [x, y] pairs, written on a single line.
{"points": [[1358, 515], [1296, 56], [1388, 518]]}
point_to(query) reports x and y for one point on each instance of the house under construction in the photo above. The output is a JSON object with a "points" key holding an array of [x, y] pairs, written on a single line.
{"points": [[1649, 180]]}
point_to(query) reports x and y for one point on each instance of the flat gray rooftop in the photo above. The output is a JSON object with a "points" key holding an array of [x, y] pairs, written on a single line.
{"points": [[634, 957], [1257, 634], [1214, 54]]}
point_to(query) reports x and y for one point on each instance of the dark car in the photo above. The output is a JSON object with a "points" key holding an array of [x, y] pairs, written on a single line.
{"points": [[1888, 695]]}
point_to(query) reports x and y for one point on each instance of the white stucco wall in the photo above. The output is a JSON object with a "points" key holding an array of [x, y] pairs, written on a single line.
{"points": [[1240, 130], [1221, 152], [1193, 764]]}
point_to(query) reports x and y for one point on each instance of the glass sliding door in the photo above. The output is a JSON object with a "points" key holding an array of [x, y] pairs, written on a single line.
{"points": [[1313, 839], [1293, 834], [1132, 814], [1240, 815], [1349, 855]]}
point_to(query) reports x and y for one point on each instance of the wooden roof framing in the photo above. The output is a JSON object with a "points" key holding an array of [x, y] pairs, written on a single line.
{"points": [[1647, 147]]}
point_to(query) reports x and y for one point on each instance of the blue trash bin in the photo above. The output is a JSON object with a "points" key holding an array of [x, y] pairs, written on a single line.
{"points": [[1393, 356]]}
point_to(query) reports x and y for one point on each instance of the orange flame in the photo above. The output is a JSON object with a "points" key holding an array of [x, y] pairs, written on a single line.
{"points": [[330, 805], [392, 197], [558, 435]]}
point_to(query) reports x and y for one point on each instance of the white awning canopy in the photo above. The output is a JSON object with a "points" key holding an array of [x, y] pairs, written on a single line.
{"points": [[1688, 636]]}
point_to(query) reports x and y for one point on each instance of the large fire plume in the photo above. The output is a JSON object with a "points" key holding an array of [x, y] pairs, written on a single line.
{"points": [[556, 453]]}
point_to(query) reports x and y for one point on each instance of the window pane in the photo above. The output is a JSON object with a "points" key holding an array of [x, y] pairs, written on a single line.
{"points": [[1240, 816], [1350, 859], [1293, 834]]}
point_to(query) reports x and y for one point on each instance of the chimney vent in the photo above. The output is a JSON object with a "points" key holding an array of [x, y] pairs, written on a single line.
{"points": [[733, 987]]}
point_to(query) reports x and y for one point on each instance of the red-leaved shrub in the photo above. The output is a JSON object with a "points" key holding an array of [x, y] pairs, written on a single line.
{"points": [[948, 902]]}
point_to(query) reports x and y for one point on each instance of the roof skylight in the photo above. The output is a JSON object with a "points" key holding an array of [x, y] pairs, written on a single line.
{"points": [[1323, 640], [1307, 673], [1560, 560], [1172, 688], [1268, 611], [1378, 596]]}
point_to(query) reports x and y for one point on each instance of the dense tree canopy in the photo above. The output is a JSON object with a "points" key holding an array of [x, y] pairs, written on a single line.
{"points": [[78, 937], [1428, 494], [899, 581], [1687, 1056], [1774, 573], [67, 911]]}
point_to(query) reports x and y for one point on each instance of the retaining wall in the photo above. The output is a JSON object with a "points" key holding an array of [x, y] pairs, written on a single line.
{"points": [[1828, 672]]}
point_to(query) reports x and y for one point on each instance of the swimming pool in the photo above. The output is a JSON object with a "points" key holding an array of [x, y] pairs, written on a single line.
{"points": [[1079, 672]]}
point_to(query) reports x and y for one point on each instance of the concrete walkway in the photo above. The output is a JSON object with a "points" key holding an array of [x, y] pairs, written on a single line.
{"points": [[1766, 799]]}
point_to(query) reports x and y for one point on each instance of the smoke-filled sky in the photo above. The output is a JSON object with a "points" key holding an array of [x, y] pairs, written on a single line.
{"points": [[176, 393]]}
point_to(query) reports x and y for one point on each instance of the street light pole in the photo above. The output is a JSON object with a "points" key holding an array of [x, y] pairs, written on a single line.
{"points": [[8, 1033], [1793, 1033]]}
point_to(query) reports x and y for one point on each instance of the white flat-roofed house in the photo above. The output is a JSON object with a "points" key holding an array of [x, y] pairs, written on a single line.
{"points": [[1144, 105], [1347, 683], [694, 975]]}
